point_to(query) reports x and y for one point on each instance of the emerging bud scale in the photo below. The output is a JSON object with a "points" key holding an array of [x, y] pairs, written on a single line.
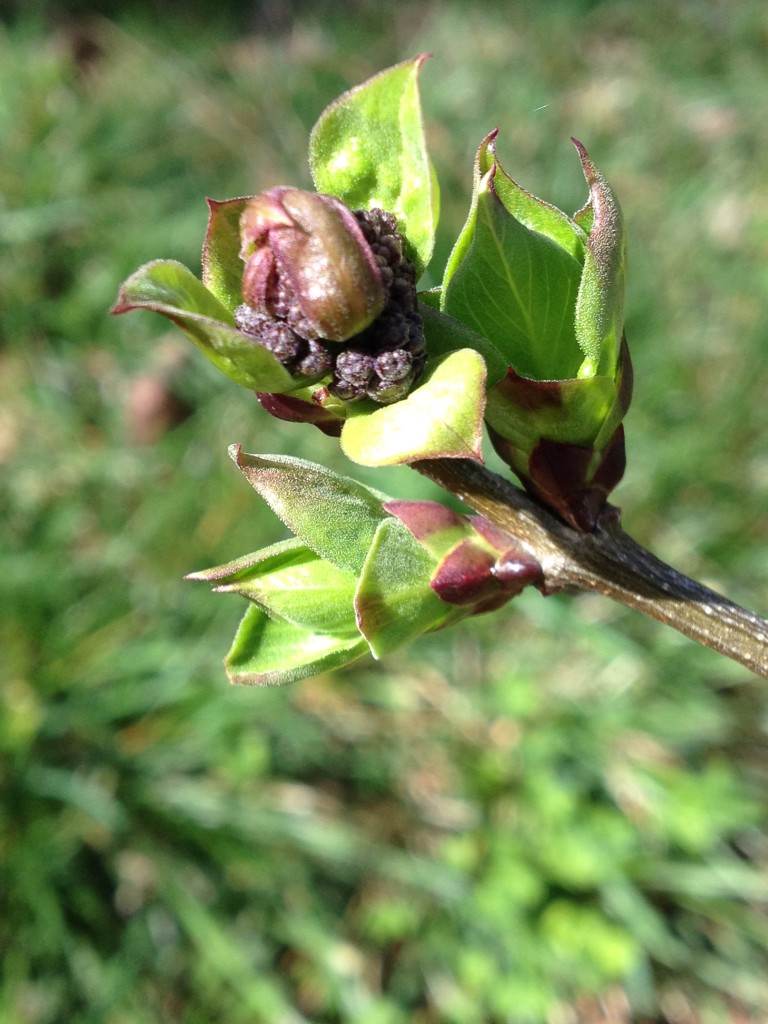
{"points": [[313, 247], [548, 291], [330, 292]]}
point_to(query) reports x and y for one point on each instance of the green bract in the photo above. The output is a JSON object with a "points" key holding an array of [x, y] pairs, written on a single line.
{"points": [[364, 574], [545, 288], [548, 291], [368, 149]]}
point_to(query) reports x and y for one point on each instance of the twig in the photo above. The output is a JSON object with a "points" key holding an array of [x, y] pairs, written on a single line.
{"points": [[609, 562]]}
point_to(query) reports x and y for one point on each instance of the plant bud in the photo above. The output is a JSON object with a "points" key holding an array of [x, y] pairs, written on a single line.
{"points": [[548, 291], [364, 573], [306, 259], [479, 567]]}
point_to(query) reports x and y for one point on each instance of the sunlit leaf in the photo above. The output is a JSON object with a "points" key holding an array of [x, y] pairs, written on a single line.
{"points": [[394, 602], [333, 515], [368, 149], [270, 651], [442, 418], [291, 582], [517, 287], [169, 288], [222, 265]]}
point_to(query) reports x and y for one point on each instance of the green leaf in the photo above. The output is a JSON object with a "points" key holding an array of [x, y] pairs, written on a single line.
{"points": [[573, 411], [269, 651], [222, 265], [585, 217], [599, 316], [517, 287], [169, 288], [288, 581], [531, 211], [445, 334], [534, 213], [368, 149], [393, 601], [333, 515], [430, 298], [442, 418], [240, 568], [583, 411]]}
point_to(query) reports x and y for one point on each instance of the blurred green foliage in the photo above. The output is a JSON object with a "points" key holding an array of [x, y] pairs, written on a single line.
{"points": [[508, 822]]}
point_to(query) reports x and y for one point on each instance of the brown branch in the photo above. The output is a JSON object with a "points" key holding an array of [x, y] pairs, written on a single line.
{"points": [[608, 562]]}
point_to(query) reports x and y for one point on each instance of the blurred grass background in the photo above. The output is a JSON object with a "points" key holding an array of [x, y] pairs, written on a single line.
{"points": [[556, 814]]}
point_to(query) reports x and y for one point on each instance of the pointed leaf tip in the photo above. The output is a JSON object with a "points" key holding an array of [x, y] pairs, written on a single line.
{"points": [[599, 316], [169, 288], [272, 652], [335, 516], [368, 148]]}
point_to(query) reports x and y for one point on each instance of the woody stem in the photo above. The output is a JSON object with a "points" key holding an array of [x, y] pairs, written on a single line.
{"points": [[607, 561]]}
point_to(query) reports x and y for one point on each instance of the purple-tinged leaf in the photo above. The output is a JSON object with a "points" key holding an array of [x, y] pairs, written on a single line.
{"points": [[313, 405], [169, 288], [465, 575], [333, 515], [436, 527], [222, 264]]}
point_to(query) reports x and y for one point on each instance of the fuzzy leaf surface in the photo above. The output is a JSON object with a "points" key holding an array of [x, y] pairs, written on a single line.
{"points": [[240, 568], [442, 418], [291, 582], [334, 516], [517, 287], [222, 265], [599, 316], [585, 411], [368, 149], [169, 288], [534, 213], [573, 411], [394, 601], [268, 652]]}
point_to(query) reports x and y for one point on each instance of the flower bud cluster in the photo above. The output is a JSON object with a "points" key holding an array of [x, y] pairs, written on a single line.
{"points": [[382, 361]]}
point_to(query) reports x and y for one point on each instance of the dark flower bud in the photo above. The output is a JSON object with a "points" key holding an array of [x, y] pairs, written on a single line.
{"points": [[317, 362], [307, 260], [273, 334], [394, 364], [346, 390], [354, 366]]}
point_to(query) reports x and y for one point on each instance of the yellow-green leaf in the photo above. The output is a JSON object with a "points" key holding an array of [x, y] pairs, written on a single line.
{"points": [[440, 419]]}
